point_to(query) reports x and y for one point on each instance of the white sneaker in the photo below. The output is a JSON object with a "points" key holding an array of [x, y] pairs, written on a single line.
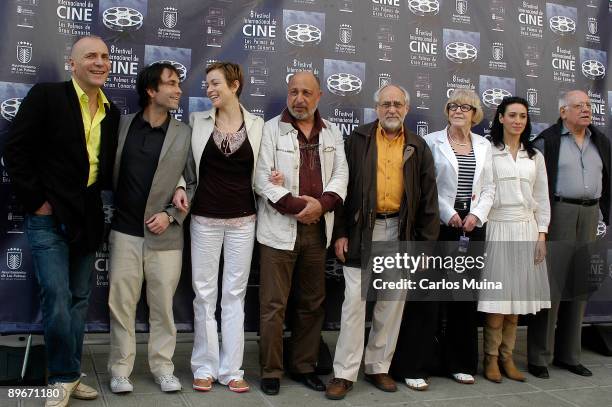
{"points": [[168, 383], [61, 393], [121, 384]]}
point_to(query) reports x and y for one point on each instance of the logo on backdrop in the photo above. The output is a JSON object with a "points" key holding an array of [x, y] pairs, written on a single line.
{"points": [[593, 63], [345, 33], [461, 47], [122, 19], [493, 89], [531, 19], [14, 258], [214, 24], [303, 29], [561, 19], [422, 128], [344, 78], [9, 108], [24, 52], [424, 7], [170, 17], [461, 6]]}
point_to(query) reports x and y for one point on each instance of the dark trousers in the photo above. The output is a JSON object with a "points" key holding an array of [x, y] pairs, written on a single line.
{"points": [[440, 336], [557, 331], [301, 272], [64, 278]]}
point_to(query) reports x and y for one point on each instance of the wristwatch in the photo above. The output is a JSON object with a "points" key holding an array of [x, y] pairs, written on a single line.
{"points": [[170, 217]]}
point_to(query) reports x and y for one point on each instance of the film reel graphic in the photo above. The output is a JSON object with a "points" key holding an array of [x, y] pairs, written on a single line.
{"points": [[344, 84], [303, 35], [593, 69], [9, 108], [182, 70], [122, 19], [493, 97], [562, 25], [424, 7], [461, 52]]}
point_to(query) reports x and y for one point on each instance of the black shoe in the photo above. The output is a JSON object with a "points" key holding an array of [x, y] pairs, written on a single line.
{"points": [[270, 385], [540, 372], [576, 369], [311, 380]]}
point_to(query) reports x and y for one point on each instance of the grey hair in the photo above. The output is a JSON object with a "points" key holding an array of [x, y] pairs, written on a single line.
{"points": [[404, 91], [563, 100]]}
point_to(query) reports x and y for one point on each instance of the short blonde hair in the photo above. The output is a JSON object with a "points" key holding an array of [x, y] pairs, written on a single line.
{"points": [[466, 96]]}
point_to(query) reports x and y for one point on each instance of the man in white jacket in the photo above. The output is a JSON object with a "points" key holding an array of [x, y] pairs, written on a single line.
{"points": [[295, 223]]}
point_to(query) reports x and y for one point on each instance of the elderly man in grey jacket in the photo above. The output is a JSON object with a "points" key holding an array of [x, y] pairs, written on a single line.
{"points": [[295, 223]]}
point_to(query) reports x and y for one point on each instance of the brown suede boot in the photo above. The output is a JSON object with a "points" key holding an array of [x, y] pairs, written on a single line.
{"points": [[507, 347], [492, 334]]}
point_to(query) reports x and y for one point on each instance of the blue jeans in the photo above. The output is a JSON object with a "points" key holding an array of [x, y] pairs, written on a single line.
{"points": [[64, 278]]}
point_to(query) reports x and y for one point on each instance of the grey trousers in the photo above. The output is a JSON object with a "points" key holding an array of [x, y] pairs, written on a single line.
{"points": [[571, 223]]}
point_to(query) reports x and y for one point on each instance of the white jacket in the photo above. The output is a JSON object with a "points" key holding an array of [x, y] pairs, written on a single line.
{"points": [[202, 124], [280, 150], [447, 176]]}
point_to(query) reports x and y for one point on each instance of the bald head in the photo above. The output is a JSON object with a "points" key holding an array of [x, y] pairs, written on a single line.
{"points": [[303, 95], [90, 63]]}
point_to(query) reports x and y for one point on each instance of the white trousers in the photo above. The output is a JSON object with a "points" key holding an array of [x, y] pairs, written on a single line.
{"points": [[207, 360], [386, 320], [131, 262]]}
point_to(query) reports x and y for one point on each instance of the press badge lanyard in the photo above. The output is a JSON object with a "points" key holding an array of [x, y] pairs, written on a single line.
{"points": [[464, 242]]}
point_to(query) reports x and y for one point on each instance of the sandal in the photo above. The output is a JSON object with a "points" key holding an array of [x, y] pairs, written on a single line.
{"points": [[238, 385]]}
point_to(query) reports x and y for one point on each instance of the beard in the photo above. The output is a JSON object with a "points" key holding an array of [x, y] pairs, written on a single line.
{"points": [[302, 116], [391, 125]]}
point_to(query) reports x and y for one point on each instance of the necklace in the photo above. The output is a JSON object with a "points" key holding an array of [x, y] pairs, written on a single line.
{"points": [[452, 140]]}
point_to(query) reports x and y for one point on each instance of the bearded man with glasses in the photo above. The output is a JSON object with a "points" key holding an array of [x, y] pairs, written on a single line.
{"points": [[391, 196]]}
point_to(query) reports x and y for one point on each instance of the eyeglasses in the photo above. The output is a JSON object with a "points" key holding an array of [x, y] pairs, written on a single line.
{"points": [[464, 108], [387, 105], [581, 106]]}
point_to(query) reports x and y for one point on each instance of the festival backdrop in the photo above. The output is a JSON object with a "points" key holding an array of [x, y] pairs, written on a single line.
{"points": [[532, 48]]}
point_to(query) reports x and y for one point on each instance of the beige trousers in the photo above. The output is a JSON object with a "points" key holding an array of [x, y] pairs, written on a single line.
{"points": [[131, 263]]}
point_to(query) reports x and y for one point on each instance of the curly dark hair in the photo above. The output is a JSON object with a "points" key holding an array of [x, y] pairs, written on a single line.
{"points": [[150, 78], [497, 129]]}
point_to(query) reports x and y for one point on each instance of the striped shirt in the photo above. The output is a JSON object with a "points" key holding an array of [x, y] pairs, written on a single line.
{"points": [[467, 167]]}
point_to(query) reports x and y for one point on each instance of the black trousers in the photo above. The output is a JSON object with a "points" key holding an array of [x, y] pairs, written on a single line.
{"points": [[438, 337]]}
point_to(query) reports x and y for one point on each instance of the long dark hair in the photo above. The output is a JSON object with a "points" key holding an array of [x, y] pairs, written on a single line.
{"points": [[497, 129]]}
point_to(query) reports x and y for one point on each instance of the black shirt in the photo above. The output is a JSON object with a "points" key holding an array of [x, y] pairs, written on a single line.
{"points": [[139, 160]]}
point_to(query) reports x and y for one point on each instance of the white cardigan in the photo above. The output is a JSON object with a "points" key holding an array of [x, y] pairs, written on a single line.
{"points": [[447, 176], [202, 124]]}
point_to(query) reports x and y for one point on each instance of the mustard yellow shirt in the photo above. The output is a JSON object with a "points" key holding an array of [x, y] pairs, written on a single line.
{"points": [[92, 128], [389, 172]]}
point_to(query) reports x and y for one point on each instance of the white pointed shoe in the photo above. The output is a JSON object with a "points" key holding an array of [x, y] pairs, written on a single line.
{"points": [[417, 384]]}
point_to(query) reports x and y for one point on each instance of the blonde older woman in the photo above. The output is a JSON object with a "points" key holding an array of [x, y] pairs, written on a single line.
{"points": [[465, 194]]}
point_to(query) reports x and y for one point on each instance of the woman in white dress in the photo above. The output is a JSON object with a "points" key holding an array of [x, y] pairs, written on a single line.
{"points": [[520, 213]]}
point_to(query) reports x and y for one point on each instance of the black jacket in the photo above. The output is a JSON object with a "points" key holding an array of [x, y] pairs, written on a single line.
{"points": [[419, 213], [552, 146], [46, 158]]}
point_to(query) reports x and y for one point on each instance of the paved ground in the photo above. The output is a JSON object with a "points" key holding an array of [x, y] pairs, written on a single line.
{"points": [[561, 390]]}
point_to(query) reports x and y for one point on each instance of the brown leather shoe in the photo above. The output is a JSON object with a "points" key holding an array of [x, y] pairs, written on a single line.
{"points": [[382, 381], [337, 388]]}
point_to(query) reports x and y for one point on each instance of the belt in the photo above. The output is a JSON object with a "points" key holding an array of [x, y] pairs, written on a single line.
{"points": [[388, 215], [582, 202]]}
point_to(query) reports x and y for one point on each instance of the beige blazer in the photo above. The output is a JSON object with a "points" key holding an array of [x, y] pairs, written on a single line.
{"points": [[174, 163]]}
